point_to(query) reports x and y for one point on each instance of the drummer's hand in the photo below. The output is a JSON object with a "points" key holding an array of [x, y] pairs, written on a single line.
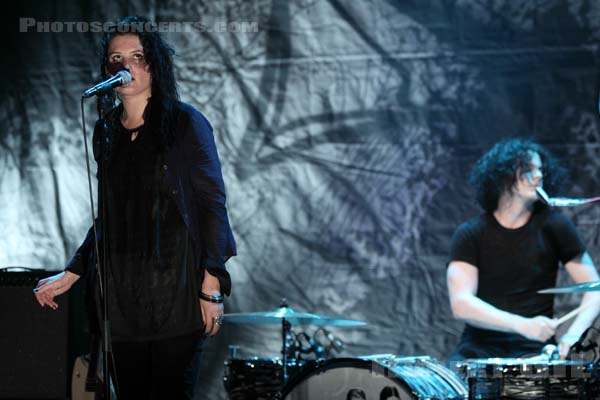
{"points": [[538, 328], [565, 343], [48, 288]]}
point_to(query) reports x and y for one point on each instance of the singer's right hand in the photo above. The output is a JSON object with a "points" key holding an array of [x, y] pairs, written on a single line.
{"points": [[538, 328], [48, 288]]}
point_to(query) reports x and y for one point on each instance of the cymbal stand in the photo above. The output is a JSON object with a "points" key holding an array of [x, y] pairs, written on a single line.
{"points": [[286, 327]]}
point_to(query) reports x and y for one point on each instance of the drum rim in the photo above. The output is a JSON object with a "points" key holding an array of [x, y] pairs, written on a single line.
{"points": [[519, 361], [477, 368], [265, 360]]}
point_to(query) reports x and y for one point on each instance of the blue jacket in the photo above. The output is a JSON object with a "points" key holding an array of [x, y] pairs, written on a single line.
{"points": [[193, 171]]}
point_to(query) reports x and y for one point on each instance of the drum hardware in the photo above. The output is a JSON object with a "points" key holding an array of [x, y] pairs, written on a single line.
{"points": [[550, 352], [233, 349], [305, 344], [335, 344], [294, 345], [287, 316], [583, 345]]}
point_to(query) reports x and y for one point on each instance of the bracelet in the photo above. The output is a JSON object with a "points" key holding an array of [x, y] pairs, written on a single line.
{"points": [[212, 299]]}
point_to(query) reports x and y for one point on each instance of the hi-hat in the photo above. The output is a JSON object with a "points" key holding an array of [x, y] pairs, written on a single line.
{"points": [[578, 288], [290, 315]]}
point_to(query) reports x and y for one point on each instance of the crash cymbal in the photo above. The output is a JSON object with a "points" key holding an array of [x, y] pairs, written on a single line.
{"points": [[290, 315], [578, 288]]}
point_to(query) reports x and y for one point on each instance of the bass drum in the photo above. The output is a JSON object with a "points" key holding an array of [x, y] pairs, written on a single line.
{"points": [[380, 377]]}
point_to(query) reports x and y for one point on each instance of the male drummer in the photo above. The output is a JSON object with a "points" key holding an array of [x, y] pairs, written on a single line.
{"points": [[500, 259]]}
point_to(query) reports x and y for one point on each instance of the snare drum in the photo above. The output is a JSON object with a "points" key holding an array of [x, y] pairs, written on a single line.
{"points": [[383, 377], [257, 378], [521, 378]]}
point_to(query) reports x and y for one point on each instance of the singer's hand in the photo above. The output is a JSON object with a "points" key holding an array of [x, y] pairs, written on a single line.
{"points": [[48, 288], [212, 313], [565, 343]]}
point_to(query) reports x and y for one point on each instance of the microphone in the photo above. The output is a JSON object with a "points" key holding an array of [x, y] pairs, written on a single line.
{"points": [[542, 195], [566, 202], [121, 78], [563, 201]]}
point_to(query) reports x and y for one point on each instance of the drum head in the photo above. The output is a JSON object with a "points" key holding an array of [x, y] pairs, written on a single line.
{"points": [[363, 378]]}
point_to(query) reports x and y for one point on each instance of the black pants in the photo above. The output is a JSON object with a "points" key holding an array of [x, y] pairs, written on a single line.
{"points": [[160, 369]]}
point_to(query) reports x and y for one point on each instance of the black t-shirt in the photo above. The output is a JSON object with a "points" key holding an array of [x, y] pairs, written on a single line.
{"points": [[151, 280], [514, 264]]}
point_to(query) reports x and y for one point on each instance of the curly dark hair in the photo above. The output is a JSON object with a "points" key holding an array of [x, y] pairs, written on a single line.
{"points": [[496, 171], [160, 113]]}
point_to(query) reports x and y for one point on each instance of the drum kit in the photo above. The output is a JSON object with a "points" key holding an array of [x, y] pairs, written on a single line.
{"points": [[388, 377], [293, 378]]}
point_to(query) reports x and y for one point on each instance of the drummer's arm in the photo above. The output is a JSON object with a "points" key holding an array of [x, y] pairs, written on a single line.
{"points": [[462, 281], [581, 270]]}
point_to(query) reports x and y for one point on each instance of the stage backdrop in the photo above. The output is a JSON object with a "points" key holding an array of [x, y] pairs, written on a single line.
{"points": [[346, 130]]}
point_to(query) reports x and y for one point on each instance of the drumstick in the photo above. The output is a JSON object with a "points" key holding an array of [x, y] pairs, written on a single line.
{"points": [[573, 313]]}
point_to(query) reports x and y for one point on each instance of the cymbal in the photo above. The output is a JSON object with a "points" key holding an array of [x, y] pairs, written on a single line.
{"points": [[578, 288], [290, 315]]}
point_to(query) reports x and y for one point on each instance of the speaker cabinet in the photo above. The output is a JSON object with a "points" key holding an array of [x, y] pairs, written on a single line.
{"points": [[33, 340]]}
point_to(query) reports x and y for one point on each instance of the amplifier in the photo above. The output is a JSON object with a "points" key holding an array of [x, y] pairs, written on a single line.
{"points": [[33, 340]]}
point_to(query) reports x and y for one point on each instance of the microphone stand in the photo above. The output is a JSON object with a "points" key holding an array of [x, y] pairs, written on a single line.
{"points": [[107, 359], [103, 103]]}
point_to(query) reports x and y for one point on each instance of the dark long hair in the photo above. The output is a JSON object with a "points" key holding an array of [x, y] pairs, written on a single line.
{"points": [[160, 114], [496, 171]]}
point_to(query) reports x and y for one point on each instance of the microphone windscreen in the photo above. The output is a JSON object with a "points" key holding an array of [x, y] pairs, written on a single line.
{"points": [[125, 76]]}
